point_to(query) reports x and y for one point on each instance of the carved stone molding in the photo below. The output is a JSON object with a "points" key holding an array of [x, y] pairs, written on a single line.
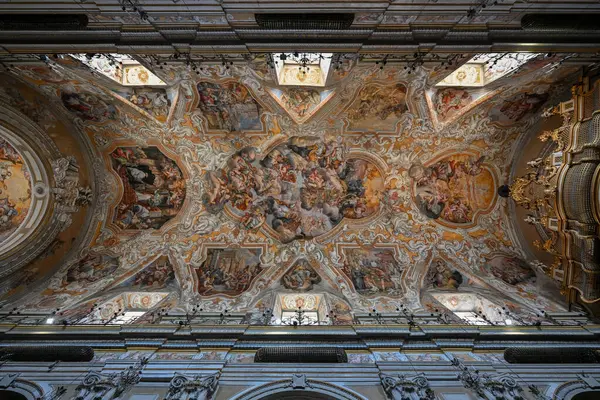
{"points": [[13, 383], [109, 386], [301, 384]]}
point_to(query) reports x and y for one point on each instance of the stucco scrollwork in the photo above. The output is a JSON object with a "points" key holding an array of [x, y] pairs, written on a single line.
{"points": [[109, 386], [199, 387], [68, 195], [403, 387]]}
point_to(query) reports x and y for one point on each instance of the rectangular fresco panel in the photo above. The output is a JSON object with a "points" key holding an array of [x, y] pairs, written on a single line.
{"points": [[455, 189]]}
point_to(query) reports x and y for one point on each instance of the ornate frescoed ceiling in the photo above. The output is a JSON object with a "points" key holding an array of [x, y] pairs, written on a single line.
{"points": [[15, 188], [224, 189]]}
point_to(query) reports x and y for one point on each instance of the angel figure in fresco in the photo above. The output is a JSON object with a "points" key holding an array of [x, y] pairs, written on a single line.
{"points": [[216, 194], [450, 100], [5, 171], [7, 212], [8, 153]]}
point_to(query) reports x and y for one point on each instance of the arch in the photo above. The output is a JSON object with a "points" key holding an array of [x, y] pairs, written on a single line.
{"points": [[20, 389], [575, 390], [11, 395], [299, 387], [39, 190], [587, 395], [298, 395]]}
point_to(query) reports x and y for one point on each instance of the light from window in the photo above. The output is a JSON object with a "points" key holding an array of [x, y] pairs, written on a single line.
{"points": [[471, 317], [302, 69], [127, 317], [120, 68], [485, 68], [308, 318]]}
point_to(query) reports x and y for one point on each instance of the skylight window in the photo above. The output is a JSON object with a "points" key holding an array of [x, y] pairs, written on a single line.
{"points": [[302, 69], [120, 68], [483, 69]]}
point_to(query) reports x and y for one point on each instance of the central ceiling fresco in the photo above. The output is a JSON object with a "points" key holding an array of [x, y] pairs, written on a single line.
{"points": [[300, 189], [224, 189]]}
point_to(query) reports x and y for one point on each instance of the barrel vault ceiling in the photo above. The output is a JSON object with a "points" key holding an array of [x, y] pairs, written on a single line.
{"points": [[219, 187], [225, 189]]}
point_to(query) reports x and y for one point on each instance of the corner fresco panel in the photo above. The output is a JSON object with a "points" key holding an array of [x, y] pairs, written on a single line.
{"points": [[228, 271], [88, 107], [158, 275], [511, 270], [373, 271], [377, 107], [229, 106]]}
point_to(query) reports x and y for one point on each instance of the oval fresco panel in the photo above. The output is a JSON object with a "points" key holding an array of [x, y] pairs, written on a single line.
{"points": [[153, 187], [455, 189], [15, 190], [302, 188]]}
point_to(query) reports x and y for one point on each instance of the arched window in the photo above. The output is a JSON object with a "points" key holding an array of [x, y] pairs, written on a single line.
{"points": [[302, 395], [591, 395], [10, 395], [302, 389]]}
